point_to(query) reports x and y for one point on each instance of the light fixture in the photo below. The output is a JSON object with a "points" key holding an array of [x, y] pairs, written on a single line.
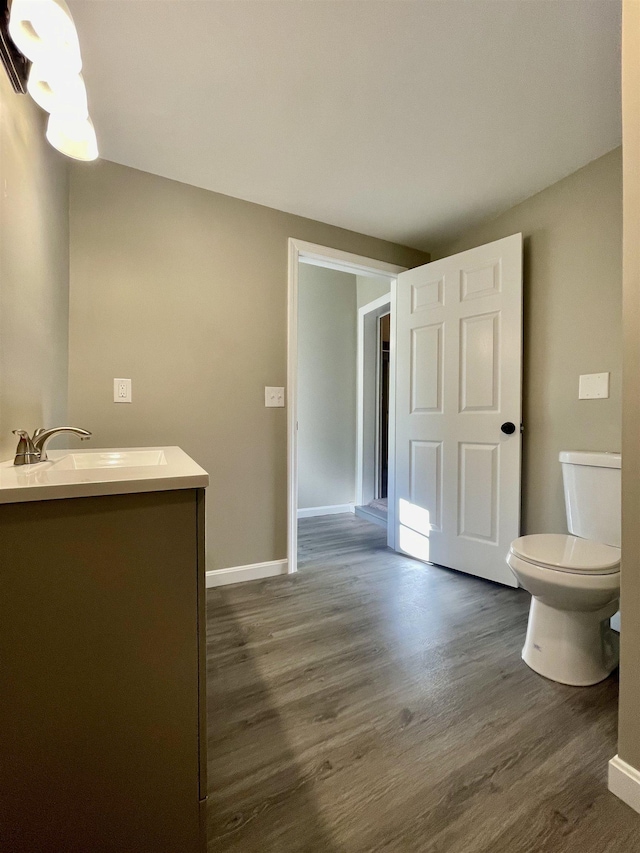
{"points": [[44, 31], [61, 92], [73, 135]]}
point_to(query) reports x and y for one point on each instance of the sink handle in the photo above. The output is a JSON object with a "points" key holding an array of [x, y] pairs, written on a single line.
{"points": [[26, 453]]}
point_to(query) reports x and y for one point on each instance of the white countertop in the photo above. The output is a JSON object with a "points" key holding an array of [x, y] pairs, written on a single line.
{"points": [[102, 471]]}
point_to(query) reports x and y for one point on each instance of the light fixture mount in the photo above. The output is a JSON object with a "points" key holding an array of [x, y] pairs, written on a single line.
{"points": [[15, 63]]}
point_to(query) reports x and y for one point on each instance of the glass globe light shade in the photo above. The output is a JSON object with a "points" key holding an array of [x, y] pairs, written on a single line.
{"points": [[60, 92], [73, 135], [44, 31]]}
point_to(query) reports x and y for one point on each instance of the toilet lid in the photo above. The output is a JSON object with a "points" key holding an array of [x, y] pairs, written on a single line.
{"points": [[567, 553]]}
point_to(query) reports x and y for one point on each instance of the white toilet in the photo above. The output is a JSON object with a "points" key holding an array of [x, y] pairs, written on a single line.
{"points": [[574, 580]]}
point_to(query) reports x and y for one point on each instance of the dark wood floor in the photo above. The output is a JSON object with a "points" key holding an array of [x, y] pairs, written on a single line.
{"points": [[372, 703]]}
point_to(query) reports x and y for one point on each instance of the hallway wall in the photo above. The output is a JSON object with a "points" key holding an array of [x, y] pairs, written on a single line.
{"points": [[327, 325]]}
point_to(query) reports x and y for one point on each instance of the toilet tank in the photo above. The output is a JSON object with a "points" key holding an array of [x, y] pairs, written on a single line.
{"points": [[592, 495]]}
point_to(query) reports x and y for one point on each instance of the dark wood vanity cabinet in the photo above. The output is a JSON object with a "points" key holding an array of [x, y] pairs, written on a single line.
{"points": [[102, 674]]}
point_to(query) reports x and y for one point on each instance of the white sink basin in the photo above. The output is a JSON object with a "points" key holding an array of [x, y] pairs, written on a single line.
{"points": [[100, 471], [110, 459]]}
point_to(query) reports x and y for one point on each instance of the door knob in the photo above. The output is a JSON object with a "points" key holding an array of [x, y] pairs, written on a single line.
{"points": [[508, 428]]}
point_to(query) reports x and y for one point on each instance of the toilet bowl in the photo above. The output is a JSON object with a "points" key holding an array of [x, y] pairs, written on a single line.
{"points": [[574, 579], [575, 587]]}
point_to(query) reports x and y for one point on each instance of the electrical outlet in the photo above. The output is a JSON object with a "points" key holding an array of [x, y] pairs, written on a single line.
{"points": [[273, 397], [121, 390]]}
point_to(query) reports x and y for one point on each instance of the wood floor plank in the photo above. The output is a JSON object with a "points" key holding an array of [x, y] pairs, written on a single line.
{"points": [[373, 703]]}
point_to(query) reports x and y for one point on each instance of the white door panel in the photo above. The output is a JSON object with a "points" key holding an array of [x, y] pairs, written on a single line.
{"points": [[458, 379], [427, 363]]}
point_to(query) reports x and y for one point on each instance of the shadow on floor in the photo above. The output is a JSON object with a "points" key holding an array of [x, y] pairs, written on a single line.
{"points": [[257, 790]]}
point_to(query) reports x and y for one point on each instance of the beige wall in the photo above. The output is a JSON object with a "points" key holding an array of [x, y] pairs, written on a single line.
{"points": [[572, 324], [34, 271], [370, 288], [185, 292], [629, 731], [327, 322]]}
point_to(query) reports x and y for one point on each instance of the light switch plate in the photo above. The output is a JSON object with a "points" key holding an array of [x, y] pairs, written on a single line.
{"points": [[121, 390], [273, 397], [593, 386]]}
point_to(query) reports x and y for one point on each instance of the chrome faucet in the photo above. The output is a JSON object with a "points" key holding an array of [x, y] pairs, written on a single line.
{"points": [[34, 449]]}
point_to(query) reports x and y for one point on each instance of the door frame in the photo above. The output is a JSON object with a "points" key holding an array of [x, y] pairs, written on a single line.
{"points": [[325, 256], [368, 316]]}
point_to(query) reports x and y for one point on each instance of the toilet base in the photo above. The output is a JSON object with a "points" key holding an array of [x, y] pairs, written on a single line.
{"points": [[573, 647]]}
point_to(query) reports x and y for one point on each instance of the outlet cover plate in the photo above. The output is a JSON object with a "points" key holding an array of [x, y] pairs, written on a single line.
{"points": [[593, 386], [273, 397], [121, 390]]}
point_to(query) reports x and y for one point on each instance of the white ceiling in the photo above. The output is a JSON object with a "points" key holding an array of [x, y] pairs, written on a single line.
{"points": [[404, 119]]}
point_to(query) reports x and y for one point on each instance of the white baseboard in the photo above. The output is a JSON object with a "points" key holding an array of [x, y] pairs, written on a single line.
{"points": [[252, 572], [311, 511], [624, 782]]}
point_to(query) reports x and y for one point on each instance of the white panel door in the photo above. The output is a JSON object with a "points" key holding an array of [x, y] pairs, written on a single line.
{"points": [[458, 409]]}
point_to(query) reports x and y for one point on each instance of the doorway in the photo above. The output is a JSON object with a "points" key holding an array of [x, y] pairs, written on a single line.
{"points": [[374, 392], [382, 448], [367, 268], [455, 379]]}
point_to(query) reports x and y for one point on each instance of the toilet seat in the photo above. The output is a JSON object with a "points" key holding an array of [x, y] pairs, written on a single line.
{"points": [[566, 553]]}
